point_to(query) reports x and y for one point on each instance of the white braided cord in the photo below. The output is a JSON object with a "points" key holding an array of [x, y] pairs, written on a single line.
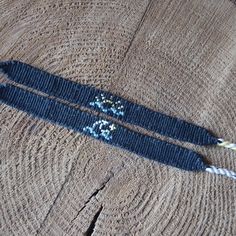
{"points": [[226, 144], [221, 171]]}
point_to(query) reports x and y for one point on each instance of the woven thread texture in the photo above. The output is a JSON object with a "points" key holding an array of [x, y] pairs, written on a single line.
{"points": [[88, 96], [71, 118]]}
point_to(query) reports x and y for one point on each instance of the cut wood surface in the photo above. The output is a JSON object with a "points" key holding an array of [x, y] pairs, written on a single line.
{"points": [[177, 57]]}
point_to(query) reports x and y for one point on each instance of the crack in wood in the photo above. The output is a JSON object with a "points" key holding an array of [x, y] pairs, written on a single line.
{"points": [[94, 194], [138, 28], [92, 225], [103, 185]]}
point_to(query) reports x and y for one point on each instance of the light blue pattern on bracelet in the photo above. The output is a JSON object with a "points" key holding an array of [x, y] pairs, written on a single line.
{"points": [[101, 128], [108, 105]]}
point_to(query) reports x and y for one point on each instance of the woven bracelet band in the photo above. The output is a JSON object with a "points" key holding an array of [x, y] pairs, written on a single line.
{"points": [[107, 131], [106, 102]]}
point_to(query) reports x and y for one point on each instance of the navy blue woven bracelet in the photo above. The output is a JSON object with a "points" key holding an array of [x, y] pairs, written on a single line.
{"points": [[106, 102], [107, 131]]}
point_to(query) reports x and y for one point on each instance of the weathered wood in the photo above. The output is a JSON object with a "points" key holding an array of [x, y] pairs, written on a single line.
{"points": [[177, 57]]}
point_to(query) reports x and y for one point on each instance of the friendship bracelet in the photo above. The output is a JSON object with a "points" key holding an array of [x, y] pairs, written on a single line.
{"points": [[110, 104], [109, 132], [106, 131]]}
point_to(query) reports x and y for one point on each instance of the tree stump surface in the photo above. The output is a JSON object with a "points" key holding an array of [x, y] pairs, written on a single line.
{"points": [[177, 57]]}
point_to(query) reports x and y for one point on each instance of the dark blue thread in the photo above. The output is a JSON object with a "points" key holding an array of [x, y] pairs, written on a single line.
{"points": [[71, 118], [83, 95]]}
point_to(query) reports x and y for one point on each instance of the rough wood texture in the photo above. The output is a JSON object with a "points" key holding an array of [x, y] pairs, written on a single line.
{"points": [[178, 57]]}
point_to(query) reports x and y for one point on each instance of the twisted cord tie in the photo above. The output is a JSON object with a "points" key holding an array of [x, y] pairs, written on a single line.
{"points": [[226, 144], [221, 171]]}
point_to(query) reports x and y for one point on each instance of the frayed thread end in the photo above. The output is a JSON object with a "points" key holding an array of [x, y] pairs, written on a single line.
{"points": [[226, 144]]}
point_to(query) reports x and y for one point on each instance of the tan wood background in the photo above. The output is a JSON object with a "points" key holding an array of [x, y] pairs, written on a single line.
{"points": [[174, 56]]}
